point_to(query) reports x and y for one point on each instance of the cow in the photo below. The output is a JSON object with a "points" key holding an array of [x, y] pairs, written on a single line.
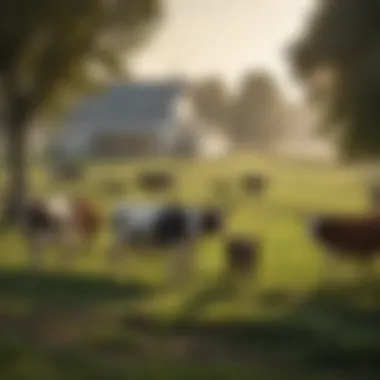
{"points": [[156, 181], [68, 171], [45, 221], [254, 184], [242, 255], [172, 227], [353, 237], [59, 220]]}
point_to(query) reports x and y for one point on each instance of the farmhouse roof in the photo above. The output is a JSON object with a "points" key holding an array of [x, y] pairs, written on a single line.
{"points": [[133, 105]]}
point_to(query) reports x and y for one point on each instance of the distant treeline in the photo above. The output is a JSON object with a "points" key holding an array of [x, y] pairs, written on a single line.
{"points": [[258, 116]]}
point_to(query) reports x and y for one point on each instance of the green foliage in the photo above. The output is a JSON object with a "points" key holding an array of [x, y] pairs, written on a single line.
{"points": [[46, 45], [345, 34]]}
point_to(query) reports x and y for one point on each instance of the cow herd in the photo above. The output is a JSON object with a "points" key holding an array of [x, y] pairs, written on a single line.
{"points": [[73, 225]]}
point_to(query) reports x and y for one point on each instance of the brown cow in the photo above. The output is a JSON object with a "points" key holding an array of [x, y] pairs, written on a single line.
{"points": [[354, 237], [242, 254], [87, 219]]}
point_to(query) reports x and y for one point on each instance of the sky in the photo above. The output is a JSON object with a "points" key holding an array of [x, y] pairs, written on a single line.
{"points": [[225, 37]]}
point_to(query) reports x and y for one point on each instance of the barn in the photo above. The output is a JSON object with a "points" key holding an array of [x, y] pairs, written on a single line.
{"points": [[125, 120]]}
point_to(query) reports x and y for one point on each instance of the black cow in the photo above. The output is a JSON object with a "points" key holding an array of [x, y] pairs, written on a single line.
{"points": [[242, 255], [174, 228]]}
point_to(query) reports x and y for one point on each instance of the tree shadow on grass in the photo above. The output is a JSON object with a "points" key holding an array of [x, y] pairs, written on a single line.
{"points": [[336, 329], [344, 322], [330, 332], [59, 310], [213, 291], [67, 287]]}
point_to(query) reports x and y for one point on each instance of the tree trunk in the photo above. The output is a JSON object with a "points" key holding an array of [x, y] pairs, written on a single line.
{"points": [[17, 173]]}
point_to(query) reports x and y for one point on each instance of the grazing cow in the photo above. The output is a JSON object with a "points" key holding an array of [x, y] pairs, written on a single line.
{"points": [[61, 220], [355, 237], [156, 181], [242, 254], [212, 220], [162, 224], [68, 171], [171, 227], [132, 223], [178, 223], [37, 219], [254, 184], [45, 221]]}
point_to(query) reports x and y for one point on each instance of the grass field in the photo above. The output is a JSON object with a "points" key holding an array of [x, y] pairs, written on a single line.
{"points": [[287, 324]]}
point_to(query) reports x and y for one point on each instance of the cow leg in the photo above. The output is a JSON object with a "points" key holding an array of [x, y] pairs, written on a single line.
{"points": [[87, 241], [36, 245], [68, 241], [87, 244], [328, 274], [183, 262], [116, 251]]}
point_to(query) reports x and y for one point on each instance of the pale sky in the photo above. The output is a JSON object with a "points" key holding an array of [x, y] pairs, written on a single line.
{"points": [[228, 37]]}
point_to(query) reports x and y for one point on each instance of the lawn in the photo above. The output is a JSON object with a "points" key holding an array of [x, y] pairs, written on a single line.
{"points": [[287, 323]]}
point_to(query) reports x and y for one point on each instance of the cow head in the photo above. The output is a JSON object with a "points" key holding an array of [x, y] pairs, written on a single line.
{"points": [[212, 220]]}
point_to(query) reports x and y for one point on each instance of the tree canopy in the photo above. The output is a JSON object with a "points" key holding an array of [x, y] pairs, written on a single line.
{"points": [[256, 116], [50, 46], [259, 111], [46, 45], [212, 100], [344, 35]]}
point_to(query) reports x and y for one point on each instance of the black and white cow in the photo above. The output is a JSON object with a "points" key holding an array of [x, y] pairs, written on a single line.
{"points": [[45, 221], [171, 227]]}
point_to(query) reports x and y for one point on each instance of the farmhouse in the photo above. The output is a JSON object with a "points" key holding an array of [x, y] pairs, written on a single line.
{"points": [[141, 118], [126, 119]]}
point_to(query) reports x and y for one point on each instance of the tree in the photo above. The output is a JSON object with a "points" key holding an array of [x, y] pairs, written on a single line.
{"points": [[259, 110], [343, 40], [212, 101], [47, 49]]}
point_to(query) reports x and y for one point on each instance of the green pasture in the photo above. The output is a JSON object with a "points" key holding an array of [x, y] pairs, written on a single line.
{"points": [[286, 323]]}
